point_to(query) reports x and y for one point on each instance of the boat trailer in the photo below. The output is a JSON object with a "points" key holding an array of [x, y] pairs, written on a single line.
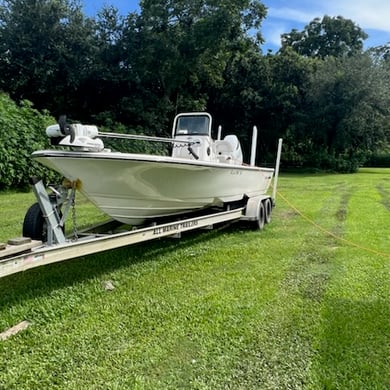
{"points": [[24, 253]]}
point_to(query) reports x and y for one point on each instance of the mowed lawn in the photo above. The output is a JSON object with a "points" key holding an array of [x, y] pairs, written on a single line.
{"points": [[304, 304]]}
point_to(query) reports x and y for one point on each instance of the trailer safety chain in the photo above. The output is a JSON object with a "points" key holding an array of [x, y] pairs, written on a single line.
{"points": [[348, 242]]}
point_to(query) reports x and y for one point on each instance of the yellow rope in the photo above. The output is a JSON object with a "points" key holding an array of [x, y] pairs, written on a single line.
{"points": [[330, 233]]}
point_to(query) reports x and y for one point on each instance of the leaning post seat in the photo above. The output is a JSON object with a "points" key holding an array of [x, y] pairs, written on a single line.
{"points": [[229, 150]]}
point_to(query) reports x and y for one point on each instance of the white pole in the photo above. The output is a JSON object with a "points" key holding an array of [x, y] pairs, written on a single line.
{"points": [[276, 176], [254, 146], [219, 132]]}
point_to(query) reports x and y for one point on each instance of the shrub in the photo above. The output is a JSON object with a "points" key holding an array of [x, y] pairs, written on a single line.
{"points": [[379, 160], [21, 132]]}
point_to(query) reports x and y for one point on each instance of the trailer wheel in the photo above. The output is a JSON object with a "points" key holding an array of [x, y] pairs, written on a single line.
{"points": [[34, 224], [267, 210], [260, 221]]}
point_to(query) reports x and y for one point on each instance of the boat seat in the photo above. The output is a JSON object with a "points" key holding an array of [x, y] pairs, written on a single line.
{"points": [[223, 150], [228, 150]]}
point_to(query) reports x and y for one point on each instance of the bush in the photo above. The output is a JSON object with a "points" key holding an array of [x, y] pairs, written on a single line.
{"points": [[379, 160], [22, 131], [321, 159]]}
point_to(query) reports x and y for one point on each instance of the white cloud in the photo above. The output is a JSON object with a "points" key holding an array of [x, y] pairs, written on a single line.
{"points": [[372, 14], [272, 32], [368, 14], [292, 14]]}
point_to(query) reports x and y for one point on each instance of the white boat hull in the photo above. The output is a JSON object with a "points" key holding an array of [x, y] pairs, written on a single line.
{"points": [[134, 188]]}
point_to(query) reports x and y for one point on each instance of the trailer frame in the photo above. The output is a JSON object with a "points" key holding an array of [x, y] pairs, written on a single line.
{"points": [[28, 254]]}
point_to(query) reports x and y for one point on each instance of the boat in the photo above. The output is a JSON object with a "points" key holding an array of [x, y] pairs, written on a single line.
{"points": [[136, 189]]}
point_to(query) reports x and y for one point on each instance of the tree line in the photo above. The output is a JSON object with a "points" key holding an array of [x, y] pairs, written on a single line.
{"points": [[322, 92]]}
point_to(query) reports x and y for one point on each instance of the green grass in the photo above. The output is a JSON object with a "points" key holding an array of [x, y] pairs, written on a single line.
{"points": [[291, 307]]}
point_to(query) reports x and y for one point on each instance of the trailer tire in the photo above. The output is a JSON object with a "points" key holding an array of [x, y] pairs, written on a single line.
{"points": [[260, 220], [34, 224], [267, 210]]}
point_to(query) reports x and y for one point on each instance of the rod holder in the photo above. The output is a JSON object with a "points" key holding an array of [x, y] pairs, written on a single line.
{"points": [[219, 132], [254, 147]]}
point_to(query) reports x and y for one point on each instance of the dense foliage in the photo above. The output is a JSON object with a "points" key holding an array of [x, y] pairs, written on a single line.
{"points": [[21, 132], [334, 37], [327, 97]]}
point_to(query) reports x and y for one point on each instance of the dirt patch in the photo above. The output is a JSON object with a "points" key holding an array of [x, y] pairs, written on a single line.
{"points": [[287, 214], [385, 195], [341, 213]]}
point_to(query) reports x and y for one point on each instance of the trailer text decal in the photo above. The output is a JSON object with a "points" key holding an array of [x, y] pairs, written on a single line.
{"points": [[174, 228]]}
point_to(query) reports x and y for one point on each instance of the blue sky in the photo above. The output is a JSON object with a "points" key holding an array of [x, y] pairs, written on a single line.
{"points": [[373, 16]]}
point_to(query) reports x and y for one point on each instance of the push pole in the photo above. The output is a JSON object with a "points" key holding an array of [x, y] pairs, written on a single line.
{"points": [[277, 171]]}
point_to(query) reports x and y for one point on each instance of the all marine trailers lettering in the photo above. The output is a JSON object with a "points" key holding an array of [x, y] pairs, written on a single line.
{"points": [[173, 228]]}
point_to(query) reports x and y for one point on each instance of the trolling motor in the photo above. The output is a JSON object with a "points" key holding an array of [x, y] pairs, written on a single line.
{"points": [[66, 128], [76, 135]]}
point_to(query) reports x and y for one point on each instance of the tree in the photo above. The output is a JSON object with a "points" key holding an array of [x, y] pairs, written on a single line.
{"points": [[331, 36], [46, 49], [349, 105], [381, 53], [176, 53], [242, 99], [106, 82]]}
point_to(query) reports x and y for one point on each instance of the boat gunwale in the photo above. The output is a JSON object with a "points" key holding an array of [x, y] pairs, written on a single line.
{"points": [[143, 158]]}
